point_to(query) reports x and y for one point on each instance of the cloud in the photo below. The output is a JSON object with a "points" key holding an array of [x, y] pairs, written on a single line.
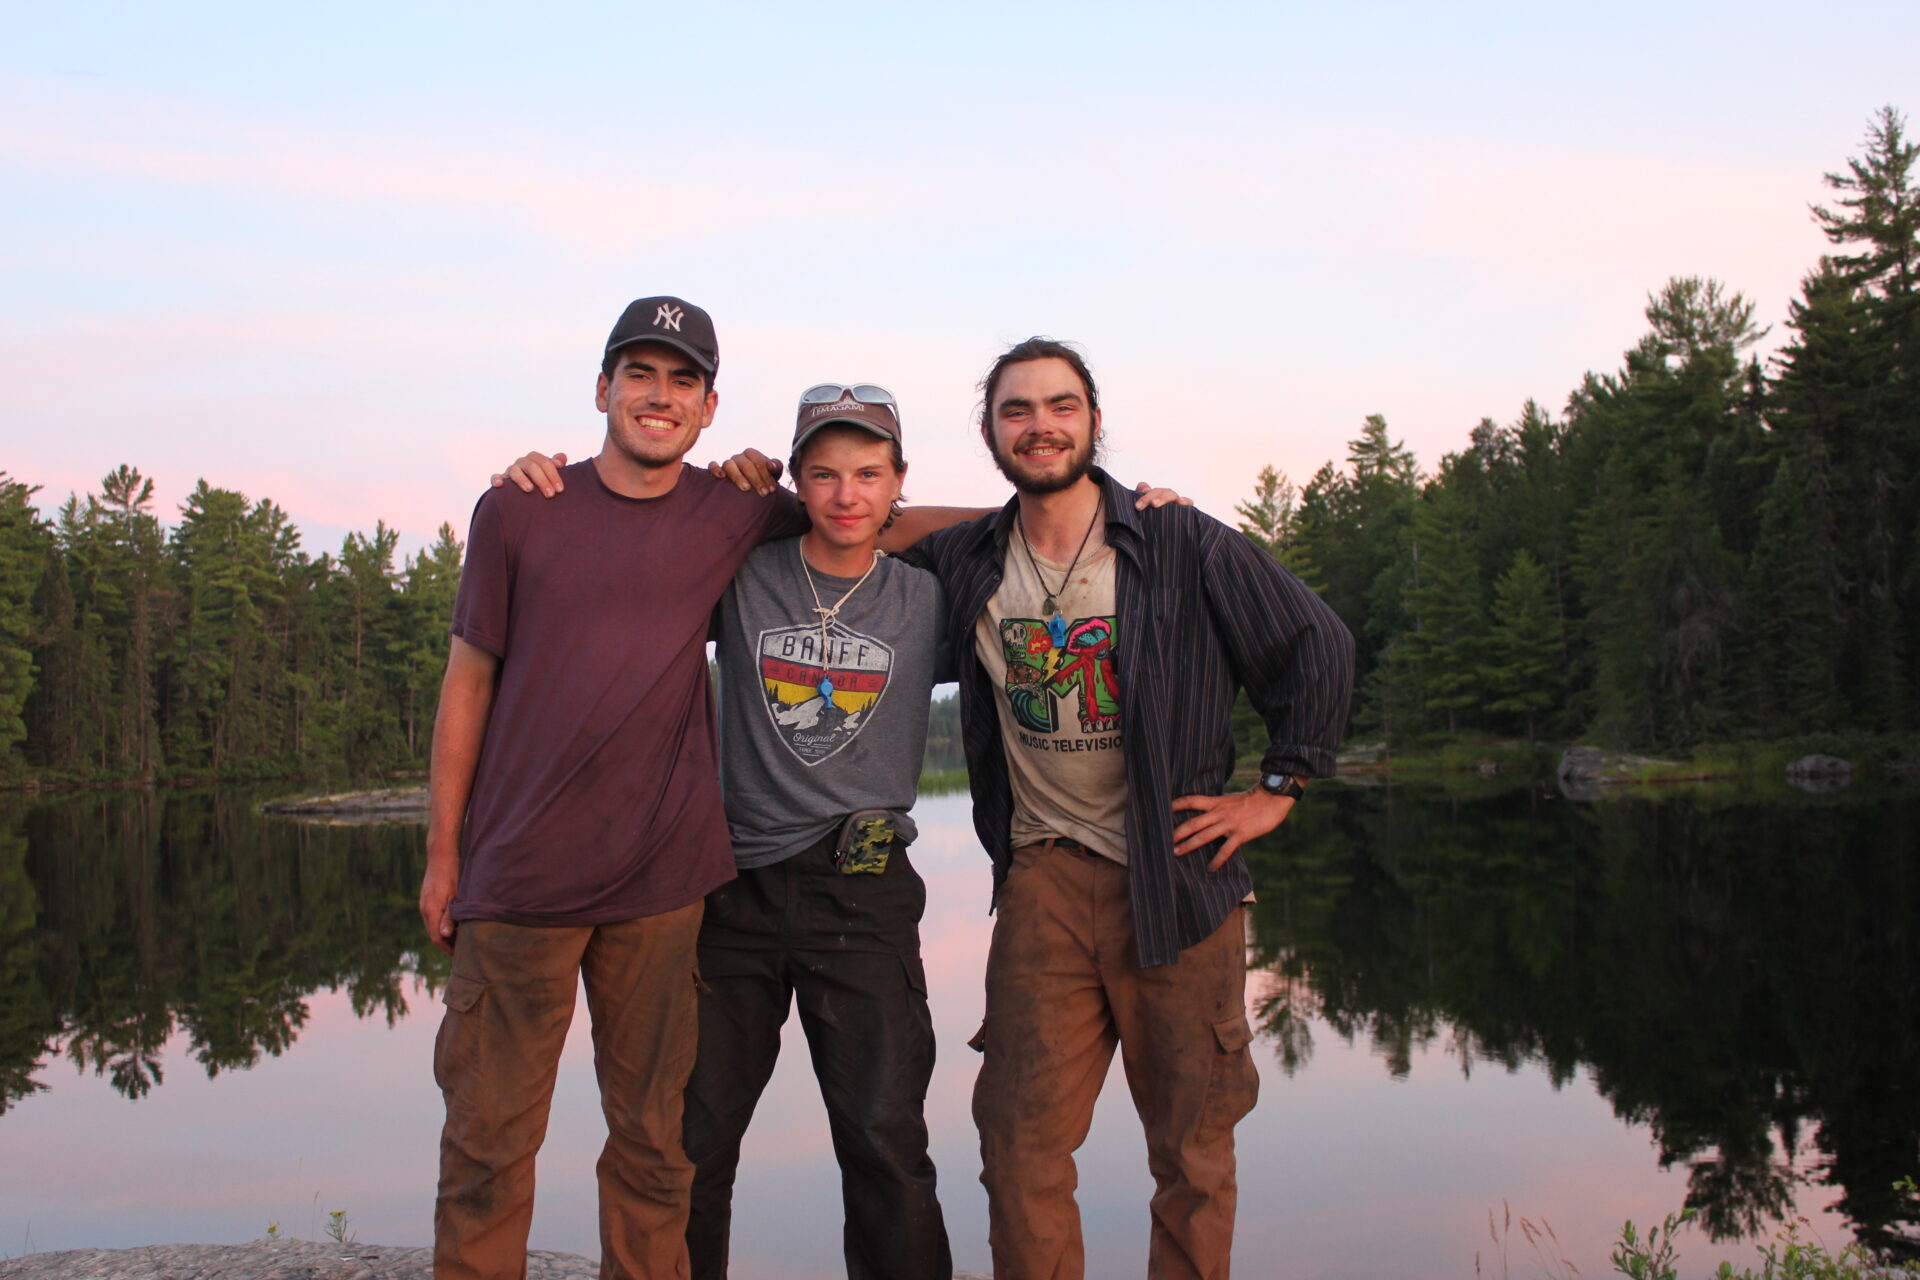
{"points": [[574, 195], [1250, 285]]}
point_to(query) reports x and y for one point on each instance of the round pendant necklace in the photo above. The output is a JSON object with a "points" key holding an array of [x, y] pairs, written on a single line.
{"points": [[829, 615], [1056, 624]]}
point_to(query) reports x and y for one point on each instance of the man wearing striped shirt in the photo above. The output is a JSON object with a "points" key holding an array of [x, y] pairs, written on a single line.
{"points": [[1106, 648]]}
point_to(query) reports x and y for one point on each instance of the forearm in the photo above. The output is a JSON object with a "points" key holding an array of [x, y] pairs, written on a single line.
{"points": [[459, 729], [915, 523]]}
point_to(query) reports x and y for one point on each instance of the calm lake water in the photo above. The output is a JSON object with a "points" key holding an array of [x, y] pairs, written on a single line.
{"points": [[211, 1022]]}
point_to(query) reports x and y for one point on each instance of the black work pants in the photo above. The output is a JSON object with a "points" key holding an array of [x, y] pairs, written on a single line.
{"points": [[846, 949]]}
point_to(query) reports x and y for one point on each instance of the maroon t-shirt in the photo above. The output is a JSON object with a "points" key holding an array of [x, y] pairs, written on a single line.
{"points": [[597, 795]]}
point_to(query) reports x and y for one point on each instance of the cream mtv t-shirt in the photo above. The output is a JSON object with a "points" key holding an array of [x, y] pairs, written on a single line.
{"points": [[1059, 701]]}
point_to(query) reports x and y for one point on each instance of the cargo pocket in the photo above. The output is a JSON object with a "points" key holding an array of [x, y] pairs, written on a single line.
{"points": [[979, 1042], [918, 1048], [1233, 1033], [916, 974], [1234, 1084], [456, 1049]]}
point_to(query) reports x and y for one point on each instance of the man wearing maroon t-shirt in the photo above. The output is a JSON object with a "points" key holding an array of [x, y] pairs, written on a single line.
{"points": [[577, 820]]}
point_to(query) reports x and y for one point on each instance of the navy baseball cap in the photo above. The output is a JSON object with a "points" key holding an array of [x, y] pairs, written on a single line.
{"points": [[674, 321]]}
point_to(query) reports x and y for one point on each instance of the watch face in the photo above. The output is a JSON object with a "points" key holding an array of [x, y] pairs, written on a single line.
{"points": [[1281, 784]]}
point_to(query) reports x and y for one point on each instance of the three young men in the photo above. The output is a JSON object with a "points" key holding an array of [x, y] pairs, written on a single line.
{"points": [[1099, 652]]}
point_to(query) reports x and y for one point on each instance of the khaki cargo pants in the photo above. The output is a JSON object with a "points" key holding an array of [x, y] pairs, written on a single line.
{"points": [[508, 1004], [1063, 989]]}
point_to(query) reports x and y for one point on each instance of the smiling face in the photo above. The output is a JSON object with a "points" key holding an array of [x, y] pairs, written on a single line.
{"points": [[848, 483], [657, 402], [1041, 427]]}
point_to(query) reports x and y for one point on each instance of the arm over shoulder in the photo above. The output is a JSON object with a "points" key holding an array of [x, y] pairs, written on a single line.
{"points": [[937, 551], [784, 517]]}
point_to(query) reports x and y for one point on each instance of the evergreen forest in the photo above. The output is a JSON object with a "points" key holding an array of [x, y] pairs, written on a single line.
{"points": [[217, 649], [1701, 546]]}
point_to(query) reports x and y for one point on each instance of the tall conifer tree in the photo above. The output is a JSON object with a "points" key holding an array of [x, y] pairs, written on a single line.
{"points": [[1526, 667]]}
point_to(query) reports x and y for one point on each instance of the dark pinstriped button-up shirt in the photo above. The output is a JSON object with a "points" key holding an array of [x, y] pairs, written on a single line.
{"points": [[1202, 611]]}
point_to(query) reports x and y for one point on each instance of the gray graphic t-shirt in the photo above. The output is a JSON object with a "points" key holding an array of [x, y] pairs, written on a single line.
{"points": [[810, 731]]}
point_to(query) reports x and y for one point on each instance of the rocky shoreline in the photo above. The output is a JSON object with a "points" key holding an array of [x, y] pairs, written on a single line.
{"points": [[277, 1259], [355, 808], [269, 1259]]}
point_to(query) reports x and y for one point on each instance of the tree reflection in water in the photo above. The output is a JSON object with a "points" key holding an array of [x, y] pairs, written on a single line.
{"points": [[1736, 974], [1730, 971], [125, 916]]}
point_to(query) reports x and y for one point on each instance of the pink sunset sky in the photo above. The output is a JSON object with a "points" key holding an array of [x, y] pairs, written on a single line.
{"points": [[353, 259]]}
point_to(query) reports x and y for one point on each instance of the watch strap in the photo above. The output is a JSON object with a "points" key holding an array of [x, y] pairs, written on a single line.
{"points": [[1282, 784]]}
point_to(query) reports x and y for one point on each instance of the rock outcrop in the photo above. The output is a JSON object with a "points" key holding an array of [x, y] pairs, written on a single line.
{"points": [[392, 804]]}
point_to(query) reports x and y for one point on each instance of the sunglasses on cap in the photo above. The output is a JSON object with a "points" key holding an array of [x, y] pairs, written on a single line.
{"points": [[862, 392]]}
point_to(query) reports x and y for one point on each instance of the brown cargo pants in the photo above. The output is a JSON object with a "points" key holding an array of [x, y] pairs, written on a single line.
{"points": [[508, 1004], [1063, 988]]}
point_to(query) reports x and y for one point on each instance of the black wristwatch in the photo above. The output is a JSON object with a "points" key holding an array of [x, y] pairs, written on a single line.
{"points": [[1282, 784]]}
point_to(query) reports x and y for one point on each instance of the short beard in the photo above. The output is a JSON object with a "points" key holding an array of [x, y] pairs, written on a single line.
{"points": [[615, 435], [1072, 476]]}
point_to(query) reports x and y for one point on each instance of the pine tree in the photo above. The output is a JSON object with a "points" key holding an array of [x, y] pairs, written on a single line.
{"points": [[373, 648], [1352, 534], [57, 715], [432, 579], [1268, 517], [1879, 209], [1692, 577], [1877, 467], [231, 561], [1443, 598], [1666, 452], [1790, 636], [134, 541], [1525, 666], [1824, 395], [23, 550], [1383, 468]]}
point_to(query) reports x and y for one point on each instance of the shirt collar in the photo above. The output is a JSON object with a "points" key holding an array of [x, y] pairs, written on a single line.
{"points": [[1120, 516]]}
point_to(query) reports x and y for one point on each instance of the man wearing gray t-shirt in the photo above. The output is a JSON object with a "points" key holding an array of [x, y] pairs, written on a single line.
{"points": [[828, 651]]}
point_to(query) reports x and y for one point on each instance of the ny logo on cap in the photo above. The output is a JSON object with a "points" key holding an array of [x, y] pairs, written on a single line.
{"points": [[669, 316]]}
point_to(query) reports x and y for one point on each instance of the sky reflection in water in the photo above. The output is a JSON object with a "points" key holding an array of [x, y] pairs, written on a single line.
{"points": [[1347, 1170]]}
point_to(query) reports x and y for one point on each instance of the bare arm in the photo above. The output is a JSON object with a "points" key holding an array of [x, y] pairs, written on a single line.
{"points": [[460, 726], [915, 523], [754, 472]]}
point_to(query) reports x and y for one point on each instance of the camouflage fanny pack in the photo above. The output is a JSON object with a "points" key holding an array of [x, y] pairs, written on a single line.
{"points": [[866, 838]]}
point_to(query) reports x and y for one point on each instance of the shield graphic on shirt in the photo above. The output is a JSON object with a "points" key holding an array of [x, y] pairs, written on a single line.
{"points": [[819, 696]]}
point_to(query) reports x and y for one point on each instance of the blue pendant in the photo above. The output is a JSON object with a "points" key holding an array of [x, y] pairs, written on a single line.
{"points": [[826, 689]]}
